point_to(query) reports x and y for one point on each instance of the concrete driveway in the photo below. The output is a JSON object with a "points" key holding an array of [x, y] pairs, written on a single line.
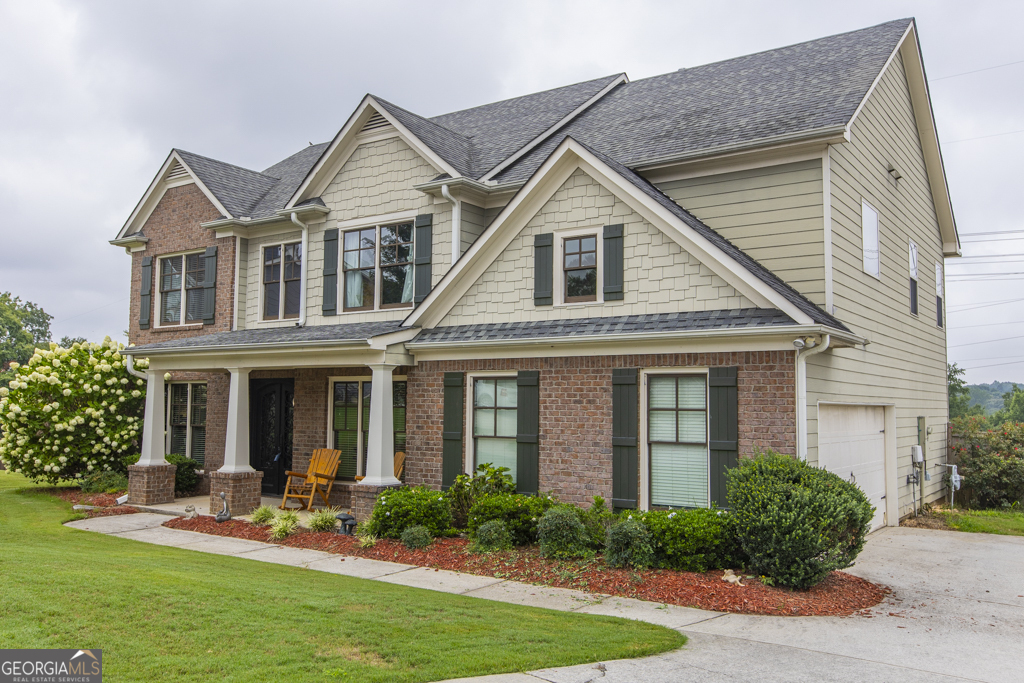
{"points": [[956, 613]]}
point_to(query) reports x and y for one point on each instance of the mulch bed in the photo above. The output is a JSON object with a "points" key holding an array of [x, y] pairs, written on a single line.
{"points": [[840, 594], [105, 503]]}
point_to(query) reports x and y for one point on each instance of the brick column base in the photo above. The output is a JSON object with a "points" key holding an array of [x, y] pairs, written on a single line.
{"points": [[150, 484], [242, 491], [364, 498]]}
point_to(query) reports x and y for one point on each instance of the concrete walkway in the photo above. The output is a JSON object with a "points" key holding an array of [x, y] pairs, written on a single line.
{"points": [[956, 612]]}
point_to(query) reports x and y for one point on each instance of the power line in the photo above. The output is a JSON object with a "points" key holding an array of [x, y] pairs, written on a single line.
{"points": [[998, 239], [987, 341], [984, 304], [957, 261], [993, 365], [975, 71], [77, 315], [982, 137], [994, 232], [967, 327]]}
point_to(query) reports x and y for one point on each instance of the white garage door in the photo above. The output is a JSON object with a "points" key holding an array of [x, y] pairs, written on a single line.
{"points": [[851, 443]]}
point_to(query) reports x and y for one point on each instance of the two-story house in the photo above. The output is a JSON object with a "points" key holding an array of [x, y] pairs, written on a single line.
{"points": [[613, 288]]}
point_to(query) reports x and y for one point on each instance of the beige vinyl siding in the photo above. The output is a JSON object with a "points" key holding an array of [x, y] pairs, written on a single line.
{"points": [[659, 276], [905, 363], [473, 223], [772, 213], [243, 282]]}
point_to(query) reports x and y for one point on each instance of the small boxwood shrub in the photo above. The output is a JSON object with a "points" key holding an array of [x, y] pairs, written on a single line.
{"points": [[107, 481], [416, 537], [492, 536], [597, 520], [562, 534], [519, 513], [322, 520], [398, 509], [263, 515], [797, 523], [629, 544], [466, 490], [691, 540]]}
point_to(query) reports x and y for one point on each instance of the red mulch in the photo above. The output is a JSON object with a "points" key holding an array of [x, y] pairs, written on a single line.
{"points": [[840, 594], [105, 503]]}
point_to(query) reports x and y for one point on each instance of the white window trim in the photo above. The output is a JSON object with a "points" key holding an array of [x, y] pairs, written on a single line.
{"points": [[940, 294], [559, 284], [470, 463], [359, 413], [188, 418], [361, 225], [181, 324], [645, 452], [878, 239], [281, 320], [914, 269]]}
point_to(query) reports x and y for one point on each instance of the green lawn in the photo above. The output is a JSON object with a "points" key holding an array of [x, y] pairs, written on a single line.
{"points": [[168, 614], [1008, 523]]}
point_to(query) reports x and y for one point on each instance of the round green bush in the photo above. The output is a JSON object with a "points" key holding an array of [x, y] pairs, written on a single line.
{"points": [[796, 523], [186, 479], [466, 490], [492, 536], [629, 544], [562, 534], [520, 514], [597, 520], [691, 540], [416, 537], [398, 509]]}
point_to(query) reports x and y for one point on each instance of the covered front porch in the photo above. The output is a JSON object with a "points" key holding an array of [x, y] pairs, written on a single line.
{"points": [[274, 397]]}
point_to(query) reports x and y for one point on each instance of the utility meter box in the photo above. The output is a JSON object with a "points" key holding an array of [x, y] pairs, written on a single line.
{"points": [[916, 453]]}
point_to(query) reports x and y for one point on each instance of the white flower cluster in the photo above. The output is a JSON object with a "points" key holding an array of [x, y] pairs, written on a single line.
{"points": [[69, 412]]}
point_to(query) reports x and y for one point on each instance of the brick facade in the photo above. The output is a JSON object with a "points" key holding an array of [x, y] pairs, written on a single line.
{"points": [[241, 489], [576, 412], [150, 485]]}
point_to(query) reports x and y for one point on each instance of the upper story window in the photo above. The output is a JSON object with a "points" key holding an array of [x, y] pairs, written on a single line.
{"points": [[181, 278], [913, 277], [869, 232], [377, 263], [579, 264], [938, 293], [282, 269]]}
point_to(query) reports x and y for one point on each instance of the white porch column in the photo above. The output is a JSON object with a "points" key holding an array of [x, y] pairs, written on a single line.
{"points": [[380, 455], [236, 444], [153, 444]]}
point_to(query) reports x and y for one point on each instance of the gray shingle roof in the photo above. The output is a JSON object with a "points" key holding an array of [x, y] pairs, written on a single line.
{"points": [[626, 324], [278, 335], [456, 149], [789, 90]]}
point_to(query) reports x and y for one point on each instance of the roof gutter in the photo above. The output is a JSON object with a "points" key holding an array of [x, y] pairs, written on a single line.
{"points": [[456, 223], [303, 264], [270, 346], [804, 349]]}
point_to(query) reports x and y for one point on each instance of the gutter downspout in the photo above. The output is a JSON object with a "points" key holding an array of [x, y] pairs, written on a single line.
{"points": [[456, 223], [130, 367], [305, 269], [801, 389]]}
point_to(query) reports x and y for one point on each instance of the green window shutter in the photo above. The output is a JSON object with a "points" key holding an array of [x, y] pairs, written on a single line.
{"points": [[543, 264], [723, 429], [330, 305], [423, 246], [527, 432], [625, 426], [613, 263], [146, 293], [210, 286], [451, 434]]}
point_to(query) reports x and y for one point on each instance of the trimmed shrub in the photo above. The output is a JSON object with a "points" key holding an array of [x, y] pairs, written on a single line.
{"points": [[467, 489], [562, 534], [105, 482], [186, 479], [597, 520], [491, 536], [796, 523], [284, 524], [690, 540], [416, 537], [398, 509], [323, 520], [263, 515], [629, 544], [519, 513]]}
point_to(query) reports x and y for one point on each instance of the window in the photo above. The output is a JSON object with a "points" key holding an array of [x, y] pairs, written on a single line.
{"points": [[350, 423], [495, 421], [282, 267], [185, 407], [938, 293], [913, 277], [176, 284], [579, 263], [363, 264], [869, 229], [677, 439]]}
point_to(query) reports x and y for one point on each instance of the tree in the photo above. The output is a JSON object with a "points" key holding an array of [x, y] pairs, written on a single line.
{"points": [[959, 394], [1013, 407], [67, 342], [70, 412], [23, 327]]}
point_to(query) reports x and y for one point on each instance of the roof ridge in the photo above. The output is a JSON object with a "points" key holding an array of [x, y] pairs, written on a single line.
{"points": [[423, 118], [225, 163]]}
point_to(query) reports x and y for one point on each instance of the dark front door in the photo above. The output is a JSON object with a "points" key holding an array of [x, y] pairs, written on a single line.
{"points": [[270, 423]]}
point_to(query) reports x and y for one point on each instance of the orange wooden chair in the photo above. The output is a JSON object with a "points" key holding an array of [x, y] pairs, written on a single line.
{"points": [[318, 480], [399, 466]]}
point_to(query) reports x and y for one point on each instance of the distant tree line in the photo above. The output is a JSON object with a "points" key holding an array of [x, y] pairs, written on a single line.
{"points": [[960, 406]]}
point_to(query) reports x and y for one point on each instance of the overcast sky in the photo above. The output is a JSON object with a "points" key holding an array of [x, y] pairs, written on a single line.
{"points": [[94, 94]]}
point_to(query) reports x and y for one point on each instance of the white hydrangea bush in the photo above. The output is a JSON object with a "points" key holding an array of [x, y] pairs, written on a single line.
{"points": [[71, 412]]}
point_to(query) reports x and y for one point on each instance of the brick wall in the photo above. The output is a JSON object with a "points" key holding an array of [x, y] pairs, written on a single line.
{"points": [[576, 412]]}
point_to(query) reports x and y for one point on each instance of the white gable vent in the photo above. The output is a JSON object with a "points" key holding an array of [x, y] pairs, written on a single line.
{"points": [[177, 172], [376, 121]]}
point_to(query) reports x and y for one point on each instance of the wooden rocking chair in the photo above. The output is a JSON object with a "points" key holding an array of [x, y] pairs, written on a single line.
{"points": [[318, 480], [399, 466]]}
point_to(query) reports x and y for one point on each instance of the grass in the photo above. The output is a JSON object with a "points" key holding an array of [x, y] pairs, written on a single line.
{"points": [[163, 613], [1007, 523]]}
